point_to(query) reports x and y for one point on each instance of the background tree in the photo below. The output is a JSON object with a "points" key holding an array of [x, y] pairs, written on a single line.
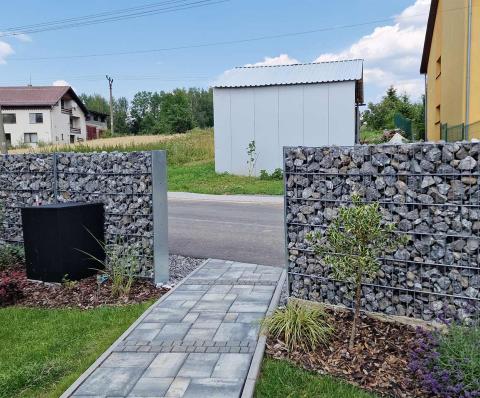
{"points": [[95, 102], [120, 115], [351, 246], [175, 113], [202, 106], [380, 116]]}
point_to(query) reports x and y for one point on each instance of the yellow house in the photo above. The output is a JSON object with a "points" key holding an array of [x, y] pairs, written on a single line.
{"points": [[451, 65]]}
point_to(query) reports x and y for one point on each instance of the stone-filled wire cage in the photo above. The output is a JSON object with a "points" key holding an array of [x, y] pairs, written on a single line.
{"points": [[430, 191], [121, 181]]}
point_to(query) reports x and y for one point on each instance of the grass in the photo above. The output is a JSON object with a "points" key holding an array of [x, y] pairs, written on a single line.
{"points": [[200, 177], [191, 159], [371, 136], [459, 355], [282, 379], [42, 351]]}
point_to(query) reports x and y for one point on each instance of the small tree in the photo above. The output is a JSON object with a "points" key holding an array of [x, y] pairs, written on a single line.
{"points": [[252, 157], [352, 244]]}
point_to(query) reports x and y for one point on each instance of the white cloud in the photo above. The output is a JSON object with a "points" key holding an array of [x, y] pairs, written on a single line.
{"points": [[5, 50], [392, 53], [282, 59], [60, 83]]}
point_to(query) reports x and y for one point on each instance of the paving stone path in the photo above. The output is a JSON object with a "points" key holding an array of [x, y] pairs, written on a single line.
{"points": [[197, 341]]}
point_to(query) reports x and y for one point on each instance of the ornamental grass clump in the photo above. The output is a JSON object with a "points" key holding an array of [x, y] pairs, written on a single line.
{"points": [[299, 326], [448, 364], [351, 246]]}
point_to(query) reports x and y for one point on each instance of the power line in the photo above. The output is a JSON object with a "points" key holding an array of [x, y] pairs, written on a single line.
{"points": [[187, 4], [212, 44], [17, 29]]}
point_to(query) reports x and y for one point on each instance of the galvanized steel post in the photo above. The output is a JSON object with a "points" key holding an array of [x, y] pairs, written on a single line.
{"points": [[160, 217]]}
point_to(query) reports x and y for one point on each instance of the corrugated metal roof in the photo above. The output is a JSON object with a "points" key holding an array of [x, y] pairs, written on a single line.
{"points": [[321, 72]]}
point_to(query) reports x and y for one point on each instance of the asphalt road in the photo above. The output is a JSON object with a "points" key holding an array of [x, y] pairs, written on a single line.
{"points": [[249, 232]]}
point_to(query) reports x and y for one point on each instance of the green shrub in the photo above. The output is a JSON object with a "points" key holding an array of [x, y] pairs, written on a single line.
{"points": [[11, 255], [299, 325], [276, 175]]}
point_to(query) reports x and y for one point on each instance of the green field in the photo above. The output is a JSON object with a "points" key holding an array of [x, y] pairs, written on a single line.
{"points": [[282, 379], [42, 352]]}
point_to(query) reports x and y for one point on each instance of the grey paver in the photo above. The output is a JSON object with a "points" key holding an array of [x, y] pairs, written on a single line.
{"points": [[198, 365], [214, 388], [151, 387], [172, 331], [178, 387], [236, 331], [200, 334], [232, 366], [128, 360], [110, 381], [166, 365], [150, 325], [143, 334]]}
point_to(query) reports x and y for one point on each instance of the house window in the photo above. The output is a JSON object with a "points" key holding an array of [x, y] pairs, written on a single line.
{"points": [[72, 139], [30, 138], [437, 114], [36, 118], [8, 137], [9, 118]]}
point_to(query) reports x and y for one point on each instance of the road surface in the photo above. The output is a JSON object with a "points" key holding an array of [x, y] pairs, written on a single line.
{"points": [[244, 229]]}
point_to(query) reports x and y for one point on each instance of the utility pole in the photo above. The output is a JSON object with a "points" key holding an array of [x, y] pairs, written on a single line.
{"points": [[110, 83], [3, 137]]}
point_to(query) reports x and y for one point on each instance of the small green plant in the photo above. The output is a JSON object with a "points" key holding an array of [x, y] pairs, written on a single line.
{"points": [[252, 157], [351, 246], [276, 175], [67, 283], [10, 255], [120, 265], [299, 325]]}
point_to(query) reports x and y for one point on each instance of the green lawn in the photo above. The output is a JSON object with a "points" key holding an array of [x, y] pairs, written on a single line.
{"points": [[282, 379], [200, 177], [42, 352]]}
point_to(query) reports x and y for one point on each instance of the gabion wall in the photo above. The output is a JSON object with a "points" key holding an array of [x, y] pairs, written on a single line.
{"points": [[122, 181], [431, 191]]}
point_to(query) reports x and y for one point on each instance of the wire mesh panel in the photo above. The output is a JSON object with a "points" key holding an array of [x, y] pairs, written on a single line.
{"points": [[430, 192], [121, 181]]}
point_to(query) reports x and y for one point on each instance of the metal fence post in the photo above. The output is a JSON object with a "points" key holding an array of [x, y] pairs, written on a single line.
{"points": [[55, 177], [160, 217]]}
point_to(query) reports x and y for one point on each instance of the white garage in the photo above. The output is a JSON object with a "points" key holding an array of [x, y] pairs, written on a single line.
{"points": [[287, 105]]}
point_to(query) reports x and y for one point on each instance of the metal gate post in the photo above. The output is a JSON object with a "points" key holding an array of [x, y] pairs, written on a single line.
{"points": [[160, 217]]}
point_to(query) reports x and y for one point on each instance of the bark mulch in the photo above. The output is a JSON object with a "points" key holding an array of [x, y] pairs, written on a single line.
{"points": [[378, 363], [84, 294]]}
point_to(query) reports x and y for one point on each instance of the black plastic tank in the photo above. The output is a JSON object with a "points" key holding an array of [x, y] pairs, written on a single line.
{"points": [[57, 236]]}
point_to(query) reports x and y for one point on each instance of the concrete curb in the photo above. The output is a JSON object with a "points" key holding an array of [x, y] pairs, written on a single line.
{"points": [[70, 390], [255, 365], [199, 197]]}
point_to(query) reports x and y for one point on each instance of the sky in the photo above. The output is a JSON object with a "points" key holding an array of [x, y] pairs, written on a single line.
{"points": [[190, 47]]}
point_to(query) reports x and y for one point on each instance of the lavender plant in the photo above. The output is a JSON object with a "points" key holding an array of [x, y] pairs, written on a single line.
{"points": [[448, 364]]}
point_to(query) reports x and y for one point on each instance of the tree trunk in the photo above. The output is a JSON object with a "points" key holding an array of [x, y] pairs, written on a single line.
{"points": [[356, 316]]}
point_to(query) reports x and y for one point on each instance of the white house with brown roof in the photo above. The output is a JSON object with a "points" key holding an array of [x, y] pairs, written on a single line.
{"points": [[51, 114]]}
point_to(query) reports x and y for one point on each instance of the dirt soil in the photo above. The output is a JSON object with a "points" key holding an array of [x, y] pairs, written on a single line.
{"points": [[84, 294], [378, 363]]}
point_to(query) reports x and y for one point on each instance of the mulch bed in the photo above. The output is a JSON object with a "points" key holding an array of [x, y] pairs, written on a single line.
{"points": [[84, 294], [378, 363]]}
